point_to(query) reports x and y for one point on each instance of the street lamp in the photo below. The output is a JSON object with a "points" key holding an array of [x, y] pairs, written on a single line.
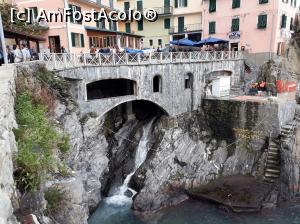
{"points": [[3, 41]]}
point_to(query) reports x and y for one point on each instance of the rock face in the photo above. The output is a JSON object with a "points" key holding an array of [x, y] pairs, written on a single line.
{"points": [[220, 140], [7, 143]]}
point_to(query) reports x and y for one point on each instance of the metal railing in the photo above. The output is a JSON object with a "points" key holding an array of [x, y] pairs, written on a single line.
{"points": [[164, 10], [62, 61], [186, 28]]}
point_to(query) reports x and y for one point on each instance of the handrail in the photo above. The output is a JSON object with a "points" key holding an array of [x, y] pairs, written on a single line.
{"points": [[66, 60]]}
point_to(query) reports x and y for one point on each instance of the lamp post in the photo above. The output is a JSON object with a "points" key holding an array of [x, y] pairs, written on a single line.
{"points": [[3, 41]]}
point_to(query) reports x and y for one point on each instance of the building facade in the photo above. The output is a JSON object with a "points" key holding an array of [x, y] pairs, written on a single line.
{"points": [[76, 37], [177, 19], [262, 27]]}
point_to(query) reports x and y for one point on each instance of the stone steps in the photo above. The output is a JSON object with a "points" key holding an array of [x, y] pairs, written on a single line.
{"points": [[272, 168]]}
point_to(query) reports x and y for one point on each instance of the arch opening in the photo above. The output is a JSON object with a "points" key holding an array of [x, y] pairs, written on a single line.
{"points": [[110, 88], [157, 84]]}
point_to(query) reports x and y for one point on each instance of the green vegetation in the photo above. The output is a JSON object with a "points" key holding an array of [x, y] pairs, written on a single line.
{"points": [[36, 136], [55, 200]]}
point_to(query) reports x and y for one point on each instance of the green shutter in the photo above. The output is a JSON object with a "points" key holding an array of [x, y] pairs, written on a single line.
{"points": [[236, 4], [262, 21], [71, 16], [140, 25], [139, 5], [180, 24], [283, 21], [263, 1], [127, 28], [167, 23], [81, 40], [176, 3], [185, 3], [235, 25], [212, 5], [212, 27], [73, 39], [126, 5]]}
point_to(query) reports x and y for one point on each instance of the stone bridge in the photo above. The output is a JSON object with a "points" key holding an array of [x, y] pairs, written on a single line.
{"points": [[174, 83]]}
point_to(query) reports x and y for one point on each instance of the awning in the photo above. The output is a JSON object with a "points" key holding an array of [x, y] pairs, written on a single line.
{"points": [[211, 40], [9, 33], [183, 42]]}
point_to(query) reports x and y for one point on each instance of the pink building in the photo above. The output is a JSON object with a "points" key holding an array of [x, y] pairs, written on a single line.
{"points": [[261, 27], [79, 37]]}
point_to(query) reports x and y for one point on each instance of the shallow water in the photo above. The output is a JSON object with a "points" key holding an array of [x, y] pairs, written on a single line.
{"points": [[195, 212]]}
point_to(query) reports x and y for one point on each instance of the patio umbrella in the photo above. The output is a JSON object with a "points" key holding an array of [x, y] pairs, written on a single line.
{"points": [[211, 40], [183, 42]]}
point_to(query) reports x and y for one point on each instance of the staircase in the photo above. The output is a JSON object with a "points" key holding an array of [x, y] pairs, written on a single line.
{"points": [[288, 129], [272, 167]]}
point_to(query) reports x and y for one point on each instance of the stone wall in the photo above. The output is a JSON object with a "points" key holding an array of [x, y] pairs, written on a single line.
{"points": [[7, 143]]}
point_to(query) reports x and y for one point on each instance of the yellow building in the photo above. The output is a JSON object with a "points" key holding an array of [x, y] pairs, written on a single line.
{"points": [[177, 19]]}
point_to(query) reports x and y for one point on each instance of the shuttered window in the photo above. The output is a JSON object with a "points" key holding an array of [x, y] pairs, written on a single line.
{"points": [[126, 6], [283, 21], [81, 40], [212, 27], [263, 1], [74, 8], [167, 23], [212, 5], [139, 5], [235, 25], [262, 21], [180, 24], [127, 28], [236, 4], [140, 25]]}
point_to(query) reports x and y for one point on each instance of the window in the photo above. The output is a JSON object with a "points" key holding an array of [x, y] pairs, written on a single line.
{"points": [[77, 40], [111, 3], [157, 84], [262, 21], [180, 24], [283, 21], [181, 3], [212, 5], [140, 25], [113, 25], [292, 24], [188, 81], [100, 23], [235, 24], [167, 23], [159, 42], [127, 28], [212, 27], [33, 13], [139, 6], [126, 6], [151, 43], [74, 9], [263, 1], [236, 4]]}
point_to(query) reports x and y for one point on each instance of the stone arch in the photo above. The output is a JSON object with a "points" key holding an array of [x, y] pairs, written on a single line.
{"points": [[157, 84], [128, 100]]}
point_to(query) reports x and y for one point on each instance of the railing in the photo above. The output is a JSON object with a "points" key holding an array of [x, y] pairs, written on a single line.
{"points": [[186, 28], [62, 61], [163, 10]]}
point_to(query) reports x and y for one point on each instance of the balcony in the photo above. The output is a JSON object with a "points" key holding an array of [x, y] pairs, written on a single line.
{"points": [[164, 10], [186, 28]]}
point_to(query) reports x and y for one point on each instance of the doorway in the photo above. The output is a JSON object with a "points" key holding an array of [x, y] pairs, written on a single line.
{"points": [[234, 46], [54, 44]]}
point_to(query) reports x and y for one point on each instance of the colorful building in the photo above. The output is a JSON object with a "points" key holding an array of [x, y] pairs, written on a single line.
{"points": [[261, 27], [177, 19], [78, 37]]}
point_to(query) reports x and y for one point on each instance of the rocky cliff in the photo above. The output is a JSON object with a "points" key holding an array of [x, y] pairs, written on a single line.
{"points": [[7, 143]]}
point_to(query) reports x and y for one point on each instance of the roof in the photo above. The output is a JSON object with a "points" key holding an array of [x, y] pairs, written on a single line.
{"points": [[111, 31], [15, 33]]}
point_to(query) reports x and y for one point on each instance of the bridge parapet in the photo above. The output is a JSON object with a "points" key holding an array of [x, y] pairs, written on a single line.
{"points": [[63, 61]]}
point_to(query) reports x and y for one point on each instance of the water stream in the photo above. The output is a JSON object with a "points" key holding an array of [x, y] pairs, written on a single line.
{"points": [[120, 201]]}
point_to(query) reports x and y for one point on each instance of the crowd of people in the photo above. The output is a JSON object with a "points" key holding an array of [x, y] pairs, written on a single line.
{"points": [[17, 54]]}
